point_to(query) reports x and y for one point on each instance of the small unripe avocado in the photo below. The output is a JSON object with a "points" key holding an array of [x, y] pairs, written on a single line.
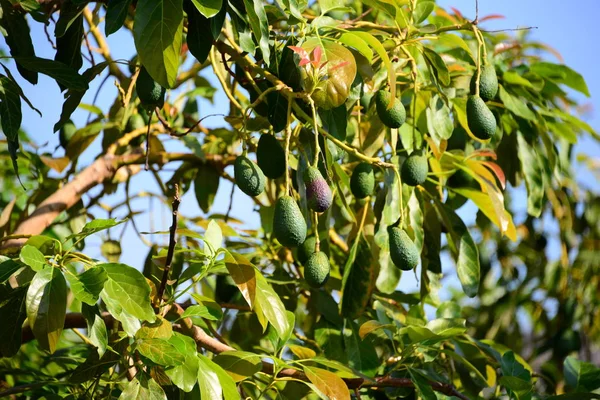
{"points": [[395, 116], [289, 226], [248, 176], [316, 271], [135, 122], [66, 133], [318, 193], [403, 251], [306, 249], [270, 156], [414, 169], [480, 119], [488, 83], [150, 93], [362, 182]]}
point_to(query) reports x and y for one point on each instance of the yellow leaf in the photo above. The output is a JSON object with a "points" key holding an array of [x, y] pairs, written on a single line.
{"points": [[329, 385], [302, 352]]}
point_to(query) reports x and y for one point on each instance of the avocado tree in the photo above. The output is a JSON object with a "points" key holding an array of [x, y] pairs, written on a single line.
{"points": [[366, 134]]}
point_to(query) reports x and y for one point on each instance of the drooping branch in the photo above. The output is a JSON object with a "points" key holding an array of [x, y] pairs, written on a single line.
{"points": [[171, 249], [96, 173]]}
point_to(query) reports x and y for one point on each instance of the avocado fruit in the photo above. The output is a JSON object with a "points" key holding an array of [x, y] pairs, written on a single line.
{"points": [[306, 249], [395, 116], [270, 156], [67, 131], [289, 226], [414, 169], [318, 193], [150, 93], [488, 83], [135, 122], [317, 269], [403, 251], [248, 176], [480, 119], [362, 182]]}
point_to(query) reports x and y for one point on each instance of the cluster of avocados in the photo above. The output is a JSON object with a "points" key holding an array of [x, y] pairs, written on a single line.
{"points": [[480, 119]]}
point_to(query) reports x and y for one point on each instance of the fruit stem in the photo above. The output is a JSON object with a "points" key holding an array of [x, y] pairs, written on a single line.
{"points": [[316, 228], [316, 129], [401, 220], [479, 46], [414, 71], [288, 134]]}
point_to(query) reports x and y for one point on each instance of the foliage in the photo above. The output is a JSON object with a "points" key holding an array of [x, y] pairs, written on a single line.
{"points": [[223, 311]]}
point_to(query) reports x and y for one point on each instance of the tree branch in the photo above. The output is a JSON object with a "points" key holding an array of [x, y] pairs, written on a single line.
{"points": [[171, 250]]}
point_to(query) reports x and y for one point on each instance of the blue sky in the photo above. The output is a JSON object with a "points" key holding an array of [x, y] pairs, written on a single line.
{"points": [[565, 26]]}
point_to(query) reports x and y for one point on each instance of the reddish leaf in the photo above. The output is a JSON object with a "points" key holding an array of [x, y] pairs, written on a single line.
{"points": [[317, 54], [458, 13], [498, 171], [483, 153], [490, 17]]}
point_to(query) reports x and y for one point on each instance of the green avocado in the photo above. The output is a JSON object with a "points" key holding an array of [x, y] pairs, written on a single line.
{"points": [[316, 271], [289, 226], [306, 249], [458, 140], [362, 182], [488, 83], [318, 193], [414, 169], [135, 122], [248, 176], [66, 133], [395, 116], [270, 156], [150, 93], [480, 119], [403, 251]]}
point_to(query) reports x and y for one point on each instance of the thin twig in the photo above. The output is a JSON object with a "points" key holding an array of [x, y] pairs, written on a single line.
{"points": [[147, 164], [230, 202], [171, 250]]}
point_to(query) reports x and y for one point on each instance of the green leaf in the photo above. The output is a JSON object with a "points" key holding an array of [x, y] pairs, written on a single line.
{"points": [[561, 74], [268, 303], [447, 327], [533, 170], [243, 274], [96, 226], [422, 385], [10, 116], [96, 328], [260, 26], [385, 59], [215, 384], [130, 323], [159, 329], [116, 12], [335, 121], [68, 46], [213, 237], [202, 311], [47, 306], [33, 257], [206, 185], [73, 97], [18, 38], [160, 351], [87, 286], [84, 137], [439, 122], [12, 315], [516, 105], [208, 8], [328, 384], [328, 5], [128, 287], [142, 388], [69, 12], [239, 364], [158, 34], [277, 110], [199, 35], [185, 375], [359, 276], [437, 66], [7, 268], [361, 353], [356, 42], [463, 248], [61, 73], [371, 326], [513, 78], [581, 376], [422, 10]]}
